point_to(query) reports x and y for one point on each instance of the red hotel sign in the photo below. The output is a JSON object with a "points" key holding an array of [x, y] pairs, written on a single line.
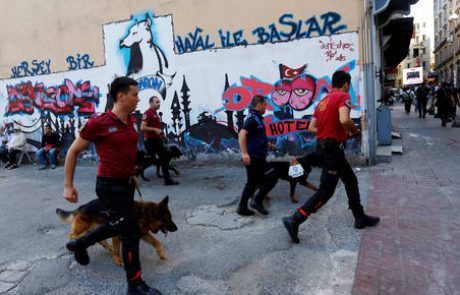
{"points": [[278, 128]]}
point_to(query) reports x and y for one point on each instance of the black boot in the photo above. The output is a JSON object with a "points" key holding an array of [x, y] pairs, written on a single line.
{"points": [[259, 207], [256, 204], [242, 208], [366, 220], [79, 251], [361, 219], [79, 246], [142, 288], [292, 223], [244, 211]]}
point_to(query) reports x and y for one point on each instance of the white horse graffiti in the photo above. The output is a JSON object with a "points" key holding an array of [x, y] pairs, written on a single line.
{"points": [[146, 58]]}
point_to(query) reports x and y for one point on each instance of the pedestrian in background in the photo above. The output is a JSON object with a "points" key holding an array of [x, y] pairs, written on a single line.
{"points": [[443, 102], [254, 147], [15, 146], [454, 102], [332, 123], [50, 148], [400, 95], [431, 100], [407, 98], [421, 96]]}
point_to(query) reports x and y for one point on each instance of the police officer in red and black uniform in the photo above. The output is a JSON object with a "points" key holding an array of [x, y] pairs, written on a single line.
{"points": [[116, 144], [153, 134], [332, 123]]}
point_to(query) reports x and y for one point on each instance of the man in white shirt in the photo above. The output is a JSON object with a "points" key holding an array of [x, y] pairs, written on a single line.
{"points": [[16, 144]]}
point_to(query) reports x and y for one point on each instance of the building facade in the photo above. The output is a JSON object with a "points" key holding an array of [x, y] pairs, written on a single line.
{"points": [[205, 60], [420, 49], [447, 39]]}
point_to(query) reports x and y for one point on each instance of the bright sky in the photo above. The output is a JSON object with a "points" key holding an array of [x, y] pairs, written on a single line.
{"points": [[422, 9]]}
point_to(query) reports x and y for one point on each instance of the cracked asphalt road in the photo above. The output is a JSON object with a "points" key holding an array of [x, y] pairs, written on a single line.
{"points": [[215, 251]]}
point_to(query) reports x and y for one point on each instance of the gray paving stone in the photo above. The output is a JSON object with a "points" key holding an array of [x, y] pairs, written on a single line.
{"points": [[5, 286], [12, 276], [20, 265], [212, 216]]}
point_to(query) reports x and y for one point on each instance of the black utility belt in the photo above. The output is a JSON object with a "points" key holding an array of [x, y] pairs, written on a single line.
{"points": [[328, 143], [126, 180]]}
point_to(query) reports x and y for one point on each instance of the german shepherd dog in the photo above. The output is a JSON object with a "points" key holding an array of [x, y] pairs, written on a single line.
{"points": [[144, 160], [307, 162], [152, 218]]}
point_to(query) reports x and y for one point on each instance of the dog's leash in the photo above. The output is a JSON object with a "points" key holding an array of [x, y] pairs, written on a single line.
{"points": [[136, 185], [140, 194]]}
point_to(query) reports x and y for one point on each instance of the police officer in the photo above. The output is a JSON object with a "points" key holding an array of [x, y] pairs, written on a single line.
{"points": [[443, 103], [254, 148], [151, 125], [116, 142], [331, 121]]}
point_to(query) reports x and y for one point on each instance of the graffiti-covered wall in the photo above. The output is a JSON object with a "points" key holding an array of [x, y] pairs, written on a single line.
{"points": [[205, 82]]}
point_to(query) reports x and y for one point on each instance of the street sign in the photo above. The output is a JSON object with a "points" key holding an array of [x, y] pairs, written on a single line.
{"points": [[380, 5]]}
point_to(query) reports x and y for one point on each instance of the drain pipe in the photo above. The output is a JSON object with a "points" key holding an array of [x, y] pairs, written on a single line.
{"points": [[369, 76]]}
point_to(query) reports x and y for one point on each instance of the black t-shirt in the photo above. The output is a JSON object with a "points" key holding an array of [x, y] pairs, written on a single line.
{"points": [[421, 93], [257, 142], [51, 139], [443, 96]]}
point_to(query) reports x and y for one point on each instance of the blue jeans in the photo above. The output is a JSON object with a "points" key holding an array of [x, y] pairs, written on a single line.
{"points": [[41, 155], [3, 154], [64, 151]]}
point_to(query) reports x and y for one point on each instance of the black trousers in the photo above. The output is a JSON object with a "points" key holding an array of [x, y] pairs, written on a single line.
{"points": [[407, 105], [260, 175], [156, 147], [117, 195], [421, 104], [443, 113], [335, 167], [3, 154], [13, 156]]}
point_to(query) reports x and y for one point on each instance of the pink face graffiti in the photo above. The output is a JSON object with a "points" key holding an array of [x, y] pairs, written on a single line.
{"points": [[297, 93], [295, 89]]}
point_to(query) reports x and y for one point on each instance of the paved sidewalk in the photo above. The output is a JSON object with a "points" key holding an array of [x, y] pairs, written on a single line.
{"points": [[416, 248]]}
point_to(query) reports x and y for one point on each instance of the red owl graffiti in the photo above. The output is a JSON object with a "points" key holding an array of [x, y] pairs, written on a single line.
{"points": [[295, 88]]}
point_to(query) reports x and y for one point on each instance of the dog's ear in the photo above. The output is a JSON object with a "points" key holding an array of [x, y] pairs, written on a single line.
{"points": [[164, 202]]}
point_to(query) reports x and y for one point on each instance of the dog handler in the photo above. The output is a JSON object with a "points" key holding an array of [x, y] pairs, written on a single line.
{"points": [[332, 123], [116, 143], [151, 125], [254, 148]]}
